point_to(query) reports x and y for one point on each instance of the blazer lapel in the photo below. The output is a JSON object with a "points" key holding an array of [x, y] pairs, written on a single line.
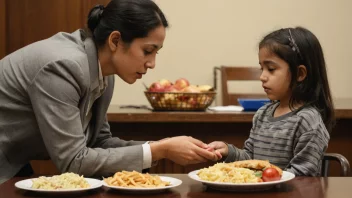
{"points": [[92, 55], [101, 105]]}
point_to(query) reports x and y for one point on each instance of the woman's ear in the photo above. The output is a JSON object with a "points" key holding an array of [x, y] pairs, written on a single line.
{"points": [[301, 73], [113, 40]]}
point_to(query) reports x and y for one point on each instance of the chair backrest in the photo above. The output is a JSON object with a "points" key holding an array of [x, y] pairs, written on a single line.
{"points": [[344, 164], [229, 73]]}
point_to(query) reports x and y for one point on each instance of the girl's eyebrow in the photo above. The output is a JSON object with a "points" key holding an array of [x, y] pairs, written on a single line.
{"points": [[268, 62]]}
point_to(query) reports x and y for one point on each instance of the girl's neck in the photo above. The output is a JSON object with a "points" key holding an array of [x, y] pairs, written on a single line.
{"points": [[284, 108]]}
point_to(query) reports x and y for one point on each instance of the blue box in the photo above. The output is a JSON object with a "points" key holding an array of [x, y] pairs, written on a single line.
{"points": [[252, 104]]}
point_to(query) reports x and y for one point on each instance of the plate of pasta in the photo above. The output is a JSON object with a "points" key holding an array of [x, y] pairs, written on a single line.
{"points": [[234, 177], [66, 182], [133, 181]]}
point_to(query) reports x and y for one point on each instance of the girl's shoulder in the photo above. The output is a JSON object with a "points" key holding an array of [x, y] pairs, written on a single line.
{"points": [[267, 108], [310, 119], [265, 111]]}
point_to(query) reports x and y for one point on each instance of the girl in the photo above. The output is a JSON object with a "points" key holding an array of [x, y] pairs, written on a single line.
{"points": [[54, 95], [292, 132]]}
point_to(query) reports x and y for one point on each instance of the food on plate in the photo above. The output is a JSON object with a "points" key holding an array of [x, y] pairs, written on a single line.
{"points": [[246, 171], [271, 174], [134, 179], [258, 165], [63, 181], [225, 172]]}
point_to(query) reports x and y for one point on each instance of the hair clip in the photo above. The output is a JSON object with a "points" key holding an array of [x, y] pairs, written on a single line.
{"points": [[294, 45]]}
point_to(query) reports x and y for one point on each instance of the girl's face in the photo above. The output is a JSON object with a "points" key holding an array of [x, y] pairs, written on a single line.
{"points": [[131, 61], [275, 77]]}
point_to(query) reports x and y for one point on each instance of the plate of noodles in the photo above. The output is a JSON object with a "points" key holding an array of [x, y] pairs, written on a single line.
{"points": [[227, 177], [66, 182], [133, 181]]}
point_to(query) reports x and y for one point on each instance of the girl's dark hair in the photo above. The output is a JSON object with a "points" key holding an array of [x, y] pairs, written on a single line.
{"points": [[132, 18], [298, 46]]}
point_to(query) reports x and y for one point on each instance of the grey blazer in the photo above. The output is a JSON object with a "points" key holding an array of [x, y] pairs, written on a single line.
{"points": [[44, 93]]}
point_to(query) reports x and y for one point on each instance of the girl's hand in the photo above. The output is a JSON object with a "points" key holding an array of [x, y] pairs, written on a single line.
{"points": [[219, 147]]}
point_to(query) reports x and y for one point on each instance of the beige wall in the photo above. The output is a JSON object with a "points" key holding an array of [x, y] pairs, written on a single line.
{"points": [[208, 33]]}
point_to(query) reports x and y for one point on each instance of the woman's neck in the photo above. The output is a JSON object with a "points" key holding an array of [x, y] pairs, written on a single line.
{"points": [[103, 57]]}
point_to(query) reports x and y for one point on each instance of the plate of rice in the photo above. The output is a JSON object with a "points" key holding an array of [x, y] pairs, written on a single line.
{"points": [[66, 182]]}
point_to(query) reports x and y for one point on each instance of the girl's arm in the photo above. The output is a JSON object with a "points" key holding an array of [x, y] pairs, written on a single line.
{"points": [[308, 154]]}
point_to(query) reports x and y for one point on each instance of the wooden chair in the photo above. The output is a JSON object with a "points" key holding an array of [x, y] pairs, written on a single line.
{"points": [[237, 74], [344, 164]]}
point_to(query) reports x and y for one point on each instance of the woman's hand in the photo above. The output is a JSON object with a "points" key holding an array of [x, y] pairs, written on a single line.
{"points": [[220, 147], [182, 150]]}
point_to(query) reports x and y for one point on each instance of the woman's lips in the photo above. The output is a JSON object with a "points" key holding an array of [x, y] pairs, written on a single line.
{"points": [[139, 75]]}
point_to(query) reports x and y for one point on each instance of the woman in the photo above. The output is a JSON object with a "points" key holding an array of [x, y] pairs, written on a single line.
{"points": [[54, 95]]}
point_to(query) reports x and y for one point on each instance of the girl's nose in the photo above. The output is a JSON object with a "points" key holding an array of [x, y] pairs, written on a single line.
{"points": [[263, 77]]}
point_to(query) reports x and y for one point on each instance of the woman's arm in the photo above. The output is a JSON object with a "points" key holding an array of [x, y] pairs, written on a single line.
{"points": [[55, 95]]}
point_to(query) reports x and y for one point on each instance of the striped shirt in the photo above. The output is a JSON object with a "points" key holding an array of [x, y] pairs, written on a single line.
{"points": [[296, 141]]}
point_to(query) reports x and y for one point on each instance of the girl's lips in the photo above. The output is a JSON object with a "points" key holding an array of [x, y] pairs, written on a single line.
{"points": [[266, 89]]}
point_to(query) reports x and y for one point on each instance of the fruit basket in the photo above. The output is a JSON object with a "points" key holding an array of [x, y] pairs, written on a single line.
{"points": [[180, 101]]}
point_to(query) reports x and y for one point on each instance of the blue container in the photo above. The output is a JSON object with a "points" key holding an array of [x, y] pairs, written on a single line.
{"points": [[252, 104]]}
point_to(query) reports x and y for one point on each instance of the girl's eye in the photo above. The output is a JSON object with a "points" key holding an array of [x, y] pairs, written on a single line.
{"points": [[271, 69]]}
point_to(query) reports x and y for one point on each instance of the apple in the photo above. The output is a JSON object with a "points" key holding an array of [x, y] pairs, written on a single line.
{"points": [[165, 83], [170, 89], [156, 87], [181, 83], [191, 89], [205, 88]]}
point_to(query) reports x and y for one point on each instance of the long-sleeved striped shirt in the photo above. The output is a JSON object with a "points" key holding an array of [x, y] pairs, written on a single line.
{"points": [[295, 142]]}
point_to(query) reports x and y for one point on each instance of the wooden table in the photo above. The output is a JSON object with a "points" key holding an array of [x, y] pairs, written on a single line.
{"points": [[343, 110], [299, 187]]}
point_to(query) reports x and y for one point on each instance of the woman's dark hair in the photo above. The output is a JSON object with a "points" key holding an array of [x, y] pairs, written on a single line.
{"points": [[298, 46], [132, 18]]}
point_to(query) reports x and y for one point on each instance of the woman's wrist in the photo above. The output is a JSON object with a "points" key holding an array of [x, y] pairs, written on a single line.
{"points": [[158, 150]]}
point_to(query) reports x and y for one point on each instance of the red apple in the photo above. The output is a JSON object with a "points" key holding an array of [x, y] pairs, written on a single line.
{"points": [[170, 89], [181, 83], [156, 87], [165, 83]]}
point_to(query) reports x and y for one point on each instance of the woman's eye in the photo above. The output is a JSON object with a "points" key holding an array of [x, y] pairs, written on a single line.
{"points": [[147, 52], [271, 69]]}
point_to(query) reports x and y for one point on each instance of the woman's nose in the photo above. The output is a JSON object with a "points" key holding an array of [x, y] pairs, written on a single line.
{"points": [[150, 63]]}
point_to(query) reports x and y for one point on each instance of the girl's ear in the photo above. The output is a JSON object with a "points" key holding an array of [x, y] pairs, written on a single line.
{"points": [[301, 73], [113, 40]]}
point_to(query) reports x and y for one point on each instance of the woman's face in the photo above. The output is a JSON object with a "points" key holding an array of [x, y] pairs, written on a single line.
{"points": [[131, 61]]}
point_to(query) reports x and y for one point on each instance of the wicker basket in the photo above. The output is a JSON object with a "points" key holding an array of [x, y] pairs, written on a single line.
{"points": [[179, 101]]}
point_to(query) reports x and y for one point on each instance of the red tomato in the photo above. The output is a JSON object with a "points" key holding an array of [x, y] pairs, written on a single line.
{"points": [[271, 174]]}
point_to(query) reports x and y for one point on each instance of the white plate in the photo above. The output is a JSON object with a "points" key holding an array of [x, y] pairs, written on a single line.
{"points": [[286, 176], [27, 185], [173, 183]]}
